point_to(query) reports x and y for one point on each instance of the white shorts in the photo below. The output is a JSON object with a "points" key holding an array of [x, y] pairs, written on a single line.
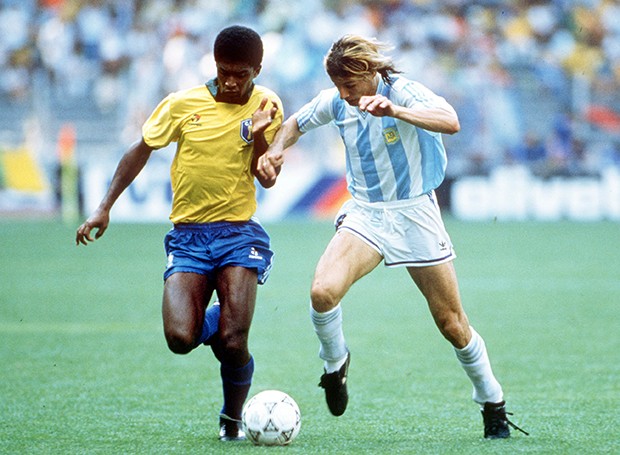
{"points": [[407, 233]]}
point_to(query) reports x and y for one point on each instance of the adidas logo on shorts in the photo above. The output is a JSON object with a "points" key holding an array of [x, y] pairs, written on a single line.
{"points": [[254, 254]]}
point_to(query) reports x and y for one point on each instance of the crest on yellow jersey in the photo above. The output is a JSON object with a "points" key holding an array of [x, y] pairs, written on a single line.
{"points": [[246, 130]]}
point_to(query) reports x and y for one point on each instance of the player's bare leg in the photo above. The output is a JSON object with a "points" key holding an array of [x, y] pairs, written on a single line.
{"points": [[439, 286], [345, 260], [183, 310], [236, 290]]}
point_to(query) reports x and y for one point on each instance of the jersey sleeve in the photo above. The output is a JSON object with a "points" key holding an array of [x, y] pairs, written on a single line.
{"points": [[415, 95], [319, 111], [160, 129]]}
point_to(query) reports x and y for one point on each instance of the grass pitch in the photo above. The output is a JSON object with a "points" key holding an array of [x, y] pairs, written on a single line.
{"points": [[85, 368]]}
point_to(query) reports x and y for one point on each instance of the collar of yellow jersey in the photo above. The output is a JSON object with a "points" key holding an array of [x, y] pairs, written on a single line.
{"points": [[213, 89]]}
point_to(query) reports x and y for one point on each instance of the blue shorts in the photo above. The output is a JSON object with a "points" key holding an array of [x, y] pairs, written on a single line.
{"points": [[205, 248]]}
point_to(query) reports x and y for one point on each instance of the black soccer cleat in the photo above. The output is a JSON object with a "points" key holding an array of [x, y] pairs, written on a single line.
{"points": [[335, 385], [230, 429], [496, 423]]}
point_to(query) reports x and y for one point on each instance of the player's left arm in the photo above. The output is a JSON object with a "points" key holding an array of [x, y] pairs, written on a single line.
{"points": [[441, 118], [261, 120]]}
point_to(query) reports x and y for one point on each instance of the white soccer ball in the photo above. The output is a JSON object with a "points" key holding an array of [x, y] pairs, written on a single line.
{"points": [[271, 418]]}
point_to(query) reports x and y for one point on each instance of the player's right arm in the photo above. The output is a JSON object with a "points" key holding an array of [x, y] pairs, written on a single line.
{"points": [[272, 160], [317, 112], [130, 165]]}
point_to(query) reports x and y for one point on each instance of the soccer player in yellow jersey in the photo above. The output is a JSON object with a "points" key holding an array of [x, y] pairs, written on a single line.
{"points": [[221, 129]]}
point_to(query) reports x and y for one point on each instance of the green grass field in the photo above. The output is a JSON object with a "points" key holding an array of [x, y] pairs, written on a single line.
{"points": [[85, 369]]}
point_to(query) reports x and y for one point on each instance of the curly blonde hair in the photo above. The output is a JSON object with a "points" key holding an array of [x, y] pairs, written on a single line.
{"points": [[356, 57]]}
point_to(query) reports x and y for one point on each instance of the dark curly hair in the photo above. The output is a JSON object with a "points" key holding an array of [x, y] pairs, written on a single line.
{"points": [[238, 44]]}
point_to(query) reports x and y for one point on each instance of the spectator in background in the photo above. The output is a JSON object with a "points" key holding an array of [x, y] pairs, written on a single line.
{"points": [[454, 47], [16, 54], [531, 152]]}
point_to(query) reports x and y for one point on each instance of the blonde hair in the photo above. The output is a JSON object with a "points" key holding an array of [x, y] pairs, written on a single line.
{"points": [[355, 57]]}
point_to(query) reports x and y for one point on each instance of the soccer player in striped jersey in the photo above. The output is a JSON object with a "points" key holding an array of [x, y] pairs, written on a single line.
{"points": [[220, 129], [395, 159]]}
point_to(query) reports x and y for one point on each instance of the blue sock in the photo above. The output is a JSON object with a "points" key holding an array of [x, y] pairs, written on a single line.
{"points": [[210, 325], [236, 384]]}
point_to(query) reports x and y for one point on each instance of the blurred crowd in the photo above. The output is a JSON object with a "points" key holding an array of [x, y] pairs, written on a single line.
{"points": [[127, 54]]}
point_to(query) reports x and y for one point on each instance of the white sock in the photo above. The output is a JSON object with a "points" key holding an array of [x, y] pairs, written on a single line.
{"points": [[475, 361], [328, 327]]}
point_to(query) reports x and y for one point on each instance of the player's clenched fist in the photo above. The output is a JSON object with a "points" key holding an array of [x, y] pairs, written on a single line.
{"points": [[270, 163]]}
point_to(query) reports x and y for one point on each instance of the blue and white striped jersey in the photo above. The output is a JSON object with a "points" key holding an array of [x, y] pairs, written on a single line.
{"points": [[386, 159]]}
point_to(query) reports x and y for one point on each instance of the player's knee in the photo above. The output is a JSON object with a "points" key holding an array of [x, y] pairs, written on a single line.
{"points": [[454, 330], [180, 342], [323, 298], [234, 346]]}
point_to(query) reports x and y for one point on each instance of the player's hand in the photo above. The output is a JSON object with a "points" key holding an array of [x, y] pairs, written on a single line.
{"points": [[377, 105], [269, 164], [262, 118], [99, 220]]}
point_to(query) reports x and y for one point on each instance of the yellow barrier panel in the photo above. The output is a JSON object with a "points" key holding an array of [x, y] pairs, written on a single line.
{"points": [[21, 171]]}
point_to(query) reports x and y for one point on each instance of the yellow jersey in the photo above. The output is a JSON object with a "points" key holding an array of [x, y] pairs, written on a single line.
{"points": [[211, 172]]}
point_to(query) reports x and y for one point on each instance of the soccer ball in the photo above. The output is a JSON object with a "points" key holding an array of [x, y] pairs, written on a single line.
{"points": [[271, 418]]}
